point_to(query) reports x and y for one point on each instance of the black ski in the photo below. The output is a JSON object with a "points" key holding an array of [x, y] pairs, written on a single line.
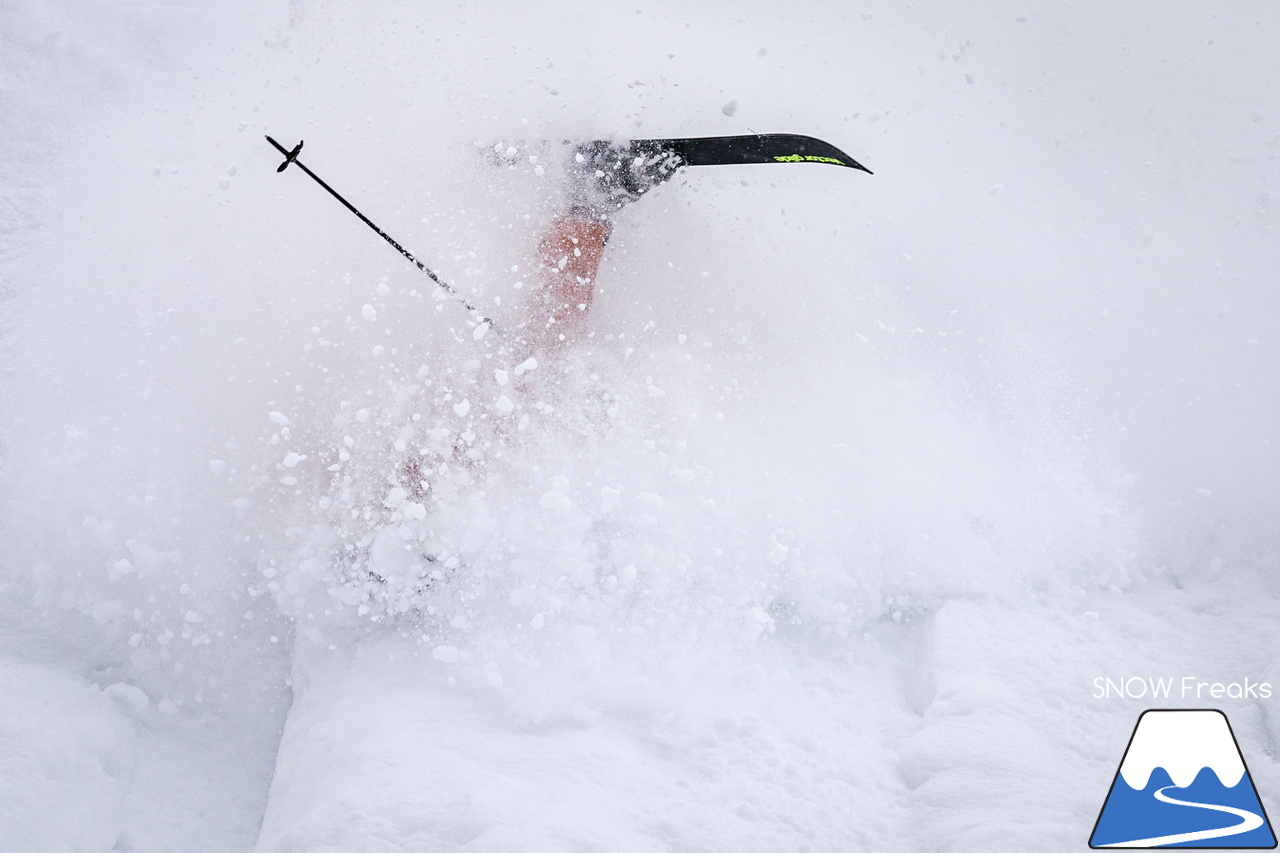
{"points": [[738, 150]]}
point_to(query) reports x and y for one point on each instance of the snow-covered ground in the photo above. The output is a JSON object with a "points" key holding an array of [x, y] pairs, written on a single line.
{"points": [[818, 543]]}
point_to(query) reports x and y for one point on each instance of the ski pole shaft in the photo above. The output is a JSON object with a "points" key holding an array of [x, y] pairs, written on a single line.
{"points": [[291, 158]]}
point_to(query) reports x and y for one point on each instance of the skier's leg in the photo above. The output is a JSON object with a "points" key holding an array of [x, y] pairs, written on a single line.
{"points": [[602, 178], [569, 256]]}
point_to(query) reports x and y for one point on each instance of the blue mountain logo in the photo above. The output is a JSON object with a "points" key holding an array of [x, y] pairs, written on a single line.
{"points": [[1183, 783]]}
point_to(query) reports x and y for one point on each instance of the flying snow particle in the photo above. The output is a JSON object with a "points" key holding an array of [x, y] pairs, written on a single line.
{"points": [[279, 419], [107, 611], [446, 654], [555, 501], [759, 621], [462, 408], [609, 499], [292, 460], [504, 405], [369, 313], [130, 699], [217, 466], [651, 500], [526, 365]]}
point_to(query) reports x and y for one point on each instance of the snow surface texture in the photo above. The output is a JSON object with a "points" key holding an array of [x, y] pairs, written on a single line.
{"points": [[817, 543]]}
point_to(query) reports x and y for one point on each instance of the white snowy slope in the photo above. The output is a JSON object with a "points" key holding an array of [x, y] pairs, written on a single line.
{"points": [[139, 709], [819, 542]]}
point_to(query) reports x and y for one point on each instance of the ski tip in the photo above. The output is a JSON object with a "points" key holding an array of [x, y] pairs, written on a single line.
{"points": [[807, 149], [837, 158]]}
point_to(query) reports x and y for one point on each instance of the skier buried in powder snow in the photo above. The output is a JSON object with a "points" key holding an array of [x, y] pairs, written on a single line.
{"points": [[601, 179]]}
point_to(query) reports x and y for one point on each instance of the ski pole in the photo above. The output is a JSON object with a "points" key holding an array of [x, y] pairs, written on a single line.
{"points": [[291, 157]]}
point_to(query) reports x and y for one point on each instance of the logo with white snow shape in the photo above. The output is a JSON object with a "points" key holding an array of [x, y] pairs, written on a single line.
{"points": [[1183, 783]]}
